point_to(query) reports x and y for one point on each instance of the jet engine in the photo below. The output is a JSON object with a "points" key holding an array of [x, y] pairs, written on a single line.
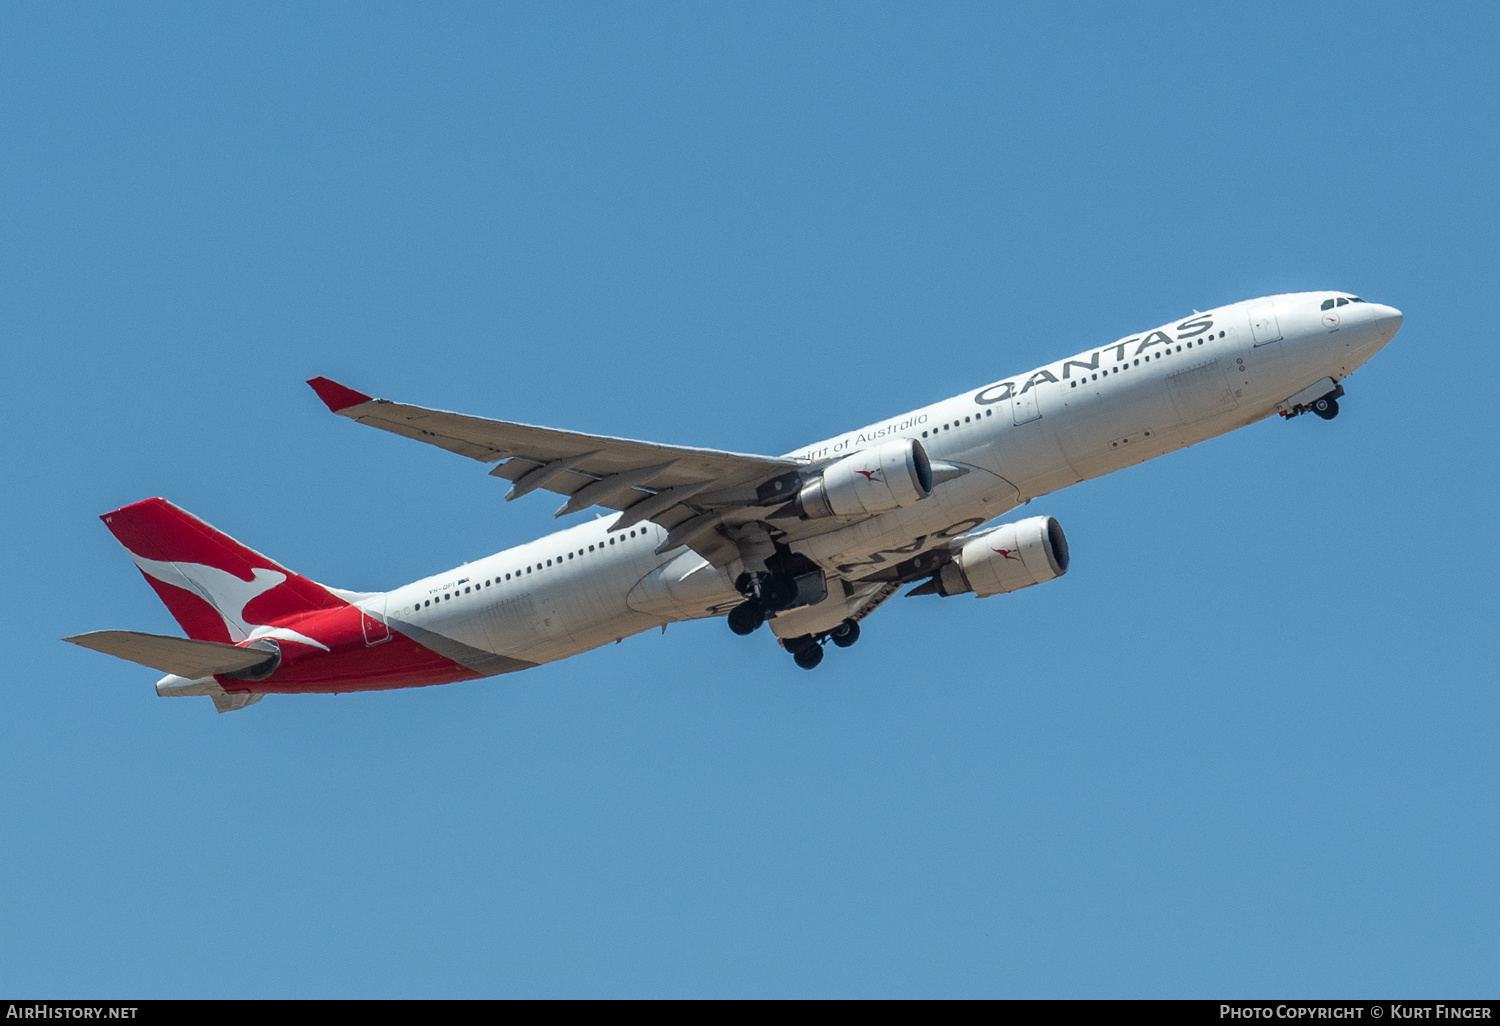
{"points": [[887, 477], [1011, 557]]}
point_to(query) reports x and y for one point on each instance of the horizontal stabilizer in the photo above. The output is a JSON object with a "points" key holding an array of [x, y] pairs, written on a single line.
{"points": [[182, 656]]}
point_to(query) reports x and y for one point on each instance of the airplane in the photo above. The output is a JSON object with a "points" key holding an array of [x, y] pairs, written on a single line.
{"points": [[809, 543]]}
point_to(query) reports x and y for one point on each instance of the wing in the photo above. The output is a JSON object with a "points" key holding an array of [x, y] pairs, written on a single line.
{"points": [[685, 490]]}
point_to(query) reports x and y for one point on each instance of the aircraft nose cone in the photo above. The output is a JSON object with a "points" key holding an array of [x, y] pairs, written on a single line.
{"points": [[1389, 319]]}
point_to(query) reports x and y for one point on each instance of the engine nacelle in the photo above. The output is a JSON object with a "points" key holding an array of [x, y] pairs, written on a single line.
{"points": [[887, 477], [1011, 557]]}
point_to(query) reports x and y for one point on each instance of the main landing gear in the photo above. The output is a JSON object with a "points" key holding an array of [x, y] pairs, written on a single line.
{"points": [[845, 634], [807, 651], [788, 584], [747, 617], [808, 655], [769, 593]]}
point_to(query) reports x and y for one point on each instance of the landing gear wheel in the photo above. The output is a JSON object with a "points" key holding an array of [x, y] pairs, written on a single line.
{"points": [[746, 618], [845, 634], [808, 657], [1327, 407]]}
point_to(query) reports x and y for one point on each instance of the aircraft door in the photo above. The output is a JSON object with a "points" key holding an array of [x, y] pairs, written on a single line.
{"points": [[373, 621], [1023, 408], [1264, 325]]}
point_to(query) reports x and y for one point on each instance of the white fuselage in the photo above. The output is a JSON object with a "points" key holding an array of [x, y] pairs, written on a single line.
{"points": [[1005, 444]]}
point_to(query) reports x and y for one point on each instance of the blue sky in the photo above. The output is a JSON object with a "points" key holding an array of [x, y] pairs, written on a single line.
{"points": [[1245, 747]]}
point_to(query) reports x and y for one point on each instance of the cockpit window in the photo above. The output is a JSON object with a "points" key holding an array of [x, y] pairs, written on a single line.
{"points": [[1329, 304]]}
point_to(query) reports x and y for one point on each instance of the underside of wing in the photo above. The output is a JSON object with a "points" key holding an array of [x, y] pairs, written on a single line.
{"points": [[681, 488]]}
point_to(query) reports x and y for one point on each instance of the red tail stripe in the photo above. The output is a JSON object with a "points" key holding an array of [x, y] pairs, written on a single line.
{"points": [[158, 530]]}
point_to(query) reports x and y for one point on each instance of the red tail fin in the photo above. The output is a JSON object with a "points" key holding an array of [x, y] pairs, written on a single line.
{"points": [[216, 588]]}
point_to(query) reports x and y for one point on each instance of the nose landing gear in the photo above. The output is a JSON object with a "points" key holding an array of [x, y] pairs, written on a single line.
{"points": [[1326, 407]]}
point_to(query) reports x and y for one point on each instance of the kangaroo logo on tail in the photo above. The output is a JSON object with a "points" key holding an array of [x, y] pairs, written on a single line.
{"points": [[209, 581], [226, 593]]}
